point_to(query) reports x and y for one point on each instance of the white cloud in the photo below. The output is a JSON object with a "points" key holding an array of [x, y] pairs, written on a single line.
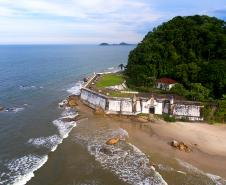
{"points": [[86, 21], [73, 21]]}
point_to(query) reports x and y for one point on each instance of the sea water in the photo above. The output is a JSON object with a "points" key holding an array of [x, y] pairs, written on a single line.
{"points": [[34, 79]]}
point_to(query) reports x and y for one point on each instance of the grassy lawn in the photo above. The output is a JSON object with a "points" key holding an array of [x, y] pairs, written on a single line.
{"points": [[110, 80]]}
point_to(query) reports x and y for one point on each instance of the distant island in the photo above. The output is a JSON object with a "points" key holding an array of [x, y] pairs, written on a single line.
{"points": [[120, 44]]}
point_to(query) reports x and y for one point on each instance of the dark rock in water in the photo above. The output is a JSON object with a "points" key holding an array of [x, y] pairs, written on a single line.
{"points": [[106, 151], [1, 108], [85, 79]]}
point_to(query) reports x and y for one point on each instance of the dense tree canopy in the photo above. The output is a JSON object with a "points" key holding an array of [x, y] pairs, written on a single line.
{"points": [[189, 49]]}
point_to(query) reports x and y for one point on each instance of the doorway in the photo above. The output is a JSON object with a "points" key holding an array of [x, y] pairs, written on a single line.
{"points": [[152, 110]]}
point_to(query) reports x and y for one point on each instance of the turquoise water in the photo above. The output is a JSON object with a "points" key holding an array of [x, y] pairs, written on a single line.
{"points": [[34, 79]]}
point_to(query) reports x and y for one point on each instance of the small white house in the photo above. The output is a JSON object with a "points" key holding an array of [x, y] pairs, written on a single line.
{"points": [[165, 83]]}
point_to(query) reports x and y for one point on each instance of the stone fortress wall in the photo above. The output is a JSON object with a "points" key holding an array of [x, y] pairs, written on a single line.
{"points": [[132, 106]]}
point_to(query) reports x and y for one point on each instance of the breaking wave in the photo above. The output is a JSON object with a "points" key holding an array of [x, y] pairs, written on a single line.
{"points": [[49, 142], [209, 177], [76, 90], [19, 171], [123, 159]]}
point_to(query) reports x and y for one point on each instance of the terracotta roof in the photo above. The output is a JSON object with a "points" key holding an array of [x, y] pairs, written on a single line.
{"points": [[166, 81]]}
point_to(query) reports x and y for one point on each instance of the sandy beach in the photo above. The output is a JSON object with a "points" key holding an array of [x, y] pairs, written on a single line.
{"points": [[208, 144]]}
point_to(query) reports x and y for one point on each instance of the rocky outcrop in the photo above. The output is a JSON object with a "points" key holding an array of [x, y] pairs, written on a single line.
{"points": [[1, 108], [180, 146], [113, 141], [72, 101], [76, 118]]}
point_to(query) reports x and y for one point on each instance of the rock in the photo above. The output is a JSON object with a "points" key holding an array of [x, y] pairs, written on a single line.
{"points": [[112, 141], [72, 101], [174, 143], [85, 79], [105, 151], [180, 146], [1, 108], [142, 119], [70, 119], [99, 111]]}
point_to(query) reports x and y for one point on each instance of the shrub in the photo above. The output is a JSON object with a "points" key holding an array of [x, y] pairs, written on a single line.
{"points": [[169, 118]]}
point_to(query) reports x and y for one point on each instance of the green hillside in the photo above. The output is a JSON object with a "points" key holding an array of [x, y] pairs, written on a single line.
{"points": [[191, 50]]}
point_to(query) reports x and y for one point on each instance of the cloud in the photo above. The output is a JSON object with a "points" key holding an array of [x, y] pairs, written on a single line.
{"points": [[89, 21]]}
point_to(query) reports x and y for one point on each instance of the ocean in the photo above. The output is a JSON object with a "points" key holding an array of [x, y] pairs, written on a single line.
{"points": [[34, 79]]}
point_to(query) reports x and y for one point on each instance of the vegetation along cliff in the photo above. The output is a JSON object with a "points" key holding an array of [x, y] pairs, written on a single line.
{"points": [[191, 50]]}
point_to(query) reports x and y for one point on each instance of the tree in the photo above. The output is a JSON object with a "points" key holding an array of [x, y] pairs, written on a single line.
{"points": [[190, 49], [179, 89], [121, 66], [198, 92]]}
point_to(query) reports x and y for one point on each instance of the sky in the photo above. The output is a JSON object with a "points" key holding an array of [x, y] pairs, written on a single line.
{"points": [[93, 21]]}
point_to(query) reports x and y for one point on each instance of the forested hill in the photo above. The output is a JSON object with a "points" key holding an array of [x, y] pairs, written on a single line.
{"points": [[189, 49]]}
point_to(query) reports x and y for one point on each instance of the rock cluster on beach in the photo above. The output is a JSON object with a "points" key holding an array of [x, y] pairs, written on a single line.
{"points": [[180, 146], [72, 101]]}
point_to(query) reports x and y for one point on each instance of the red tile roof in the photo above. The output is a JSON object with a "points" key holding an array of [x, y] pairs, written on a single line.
{"points": [[166, 81]]}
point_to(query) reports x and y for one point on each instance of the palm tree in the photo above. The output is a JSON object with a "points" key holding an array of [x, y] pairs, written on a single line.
{"points": [[121, 66]]}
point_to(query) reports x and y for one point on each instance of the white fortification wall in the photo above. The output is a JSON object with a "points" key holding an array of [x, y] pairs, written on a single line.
{"points": [[125, 106], [114, 105], [93, 99], [192, 112]]}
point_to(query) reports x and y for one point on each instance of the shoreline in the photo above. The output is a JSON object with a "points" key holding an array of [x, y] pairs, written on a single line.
{"points": [[208, 142]]}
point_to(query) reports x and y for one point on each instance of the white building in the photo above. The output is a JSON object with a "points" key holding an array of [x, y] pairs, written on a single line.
{"points": [[165, 83]]}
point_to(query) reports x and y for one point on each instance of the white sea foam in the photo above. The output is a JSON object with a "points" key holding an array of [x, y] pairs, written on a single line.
{"points": [[49, 142], [124, 159], [69, 113], [21, 170], [64, 128], [26, 87], [62, 104], [76, 90], [192, 169]]}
